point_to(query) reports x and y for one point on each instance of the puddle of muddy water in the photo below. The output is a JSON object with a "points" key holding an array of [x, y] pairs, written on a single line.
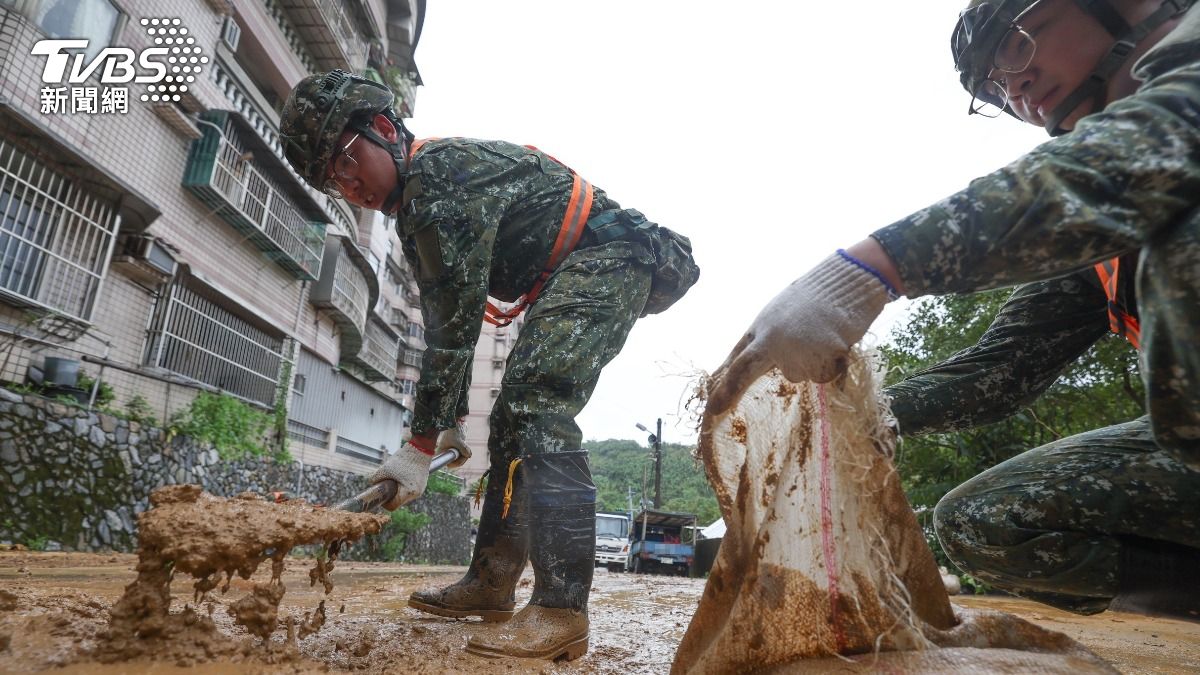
{"points": [[637, 622]]}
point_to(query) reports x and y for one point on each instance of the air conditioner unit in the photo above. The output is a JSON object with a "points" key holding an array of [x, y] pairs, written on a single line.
{"points": [[145, 258], [231, 32]]}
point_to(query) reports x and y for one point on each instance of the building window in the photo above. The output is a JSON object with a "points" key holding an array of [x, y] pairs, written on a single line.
{"points": [[412, 357], [194, 336], [299, 383], [400, 321], [307, 434], [416, 330], [95, 20], [497, 364], [54, 237], [408, 387]]}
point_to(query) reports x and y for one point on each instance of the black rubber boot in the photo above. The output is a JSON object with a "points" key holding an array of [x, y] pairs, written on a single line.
{"points": [[1159, 579], [562, 515], [501, 549]]}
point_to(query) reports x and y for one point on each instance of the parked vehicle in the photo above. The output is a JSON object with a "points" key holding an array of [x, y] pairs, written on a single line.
{"points": [[612, 540], [661, 543]]}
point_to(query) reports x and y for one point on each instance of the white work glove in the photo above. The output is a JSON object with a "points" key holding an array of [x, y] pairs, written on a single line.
{"points": [[454, 439], [409, 467], [806, 331]]}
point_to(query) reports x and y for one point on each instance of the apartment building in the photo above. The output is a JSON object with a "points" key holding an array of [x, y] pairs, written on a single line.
{"points": [[155, 233], [487, 372]]}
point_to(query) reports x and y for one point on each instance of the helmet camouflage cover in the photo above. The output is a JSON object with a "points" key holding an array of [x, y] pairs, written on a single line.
{"points": [[980, 28], [317, 112]]}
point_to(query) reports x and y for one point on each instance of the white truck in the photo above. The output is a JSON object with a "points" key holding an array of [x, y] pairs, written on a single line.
{"points": [[612, 540]]}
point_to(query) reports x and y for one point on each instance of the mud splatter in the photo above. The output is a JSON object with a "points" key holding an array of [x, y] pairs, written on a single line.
{"points": [[738, 431], [209, 538]]}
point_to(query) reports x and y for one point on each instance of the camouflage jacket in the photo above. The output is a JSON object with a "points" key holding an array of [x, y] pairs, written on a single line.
{"points": [[1040, 330], [1120, 178], [1122, 182], [486, 214]]}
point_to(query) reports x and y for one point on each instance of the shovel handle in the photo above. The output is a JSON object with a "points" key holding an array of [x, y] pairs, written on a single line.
{"points": [[383, 491]]}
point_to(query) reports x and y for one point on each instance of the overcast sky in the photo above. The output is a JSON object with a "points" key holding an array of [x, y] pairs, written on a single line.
{"points": [[769, 133]]}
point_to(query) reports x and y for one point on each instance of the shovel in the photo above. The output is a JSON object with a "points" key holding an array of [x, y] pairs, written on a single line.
{"points": [[379, 493], [383, 491]]}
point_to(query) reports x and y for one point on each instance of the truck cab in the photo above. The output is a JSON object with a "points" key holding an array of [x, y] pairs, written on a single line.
{"points": [[612, 540], [662, 543]]}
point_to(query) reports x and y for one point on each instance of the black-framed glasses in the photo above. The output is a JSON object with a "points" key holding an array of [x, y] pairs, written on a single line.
{"points": [[345, 170]]}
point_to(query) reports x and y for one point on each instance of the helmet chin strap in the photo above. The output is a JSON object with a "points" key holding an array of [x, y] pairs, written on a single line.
{"points": [[1127, 37], [399, 152]]}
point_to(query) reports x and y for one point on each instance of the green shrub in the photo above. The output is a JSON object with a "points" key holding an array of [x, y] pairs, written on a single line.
{"points": [[403, 523], [104, 394], [443, 484], [234, 429], [138, 409]]}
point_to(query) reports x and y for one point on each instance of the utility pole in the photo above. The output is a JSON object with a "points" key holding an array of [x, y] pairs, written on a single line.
{"points": [[658, 466], [656, 444]]}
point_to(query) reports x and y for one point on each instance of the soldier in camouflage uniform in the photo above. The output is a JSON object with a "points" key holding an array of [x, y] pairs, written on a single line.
{"points": [[490, 218], [1108, 518]]}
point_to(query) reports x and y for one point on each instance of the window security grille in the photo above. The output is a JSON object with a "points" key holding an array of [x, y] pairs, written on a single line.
{"points": [[55, 238], [366, 453], [307, 434], [195, 337]]}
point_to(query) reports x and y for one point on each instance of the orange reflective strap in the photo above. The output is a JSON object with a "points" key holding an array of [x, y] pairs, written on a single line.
{"points": [[1120, 322], [416, 145], [578, 208]]}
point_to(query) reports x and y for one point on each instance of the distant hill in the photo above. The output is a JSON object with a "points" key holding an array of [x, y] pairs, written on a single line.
{"points": [[618, 465]]}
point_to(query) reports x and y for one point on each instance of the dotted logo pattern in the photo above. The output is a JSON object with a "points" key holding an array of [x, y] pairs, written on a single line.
{"points": [[184, 58]]}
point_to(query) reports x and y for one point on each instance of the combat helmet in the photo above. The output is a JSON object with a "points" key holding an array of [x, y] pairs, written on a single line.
{"points": [[321, 107], [986, 27]]}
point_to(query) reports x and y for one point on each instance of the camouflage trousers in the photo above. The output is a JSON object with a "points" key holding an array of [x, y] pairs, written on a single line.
{"points": [[578, 324], [1168, 285], [1049, 524]]}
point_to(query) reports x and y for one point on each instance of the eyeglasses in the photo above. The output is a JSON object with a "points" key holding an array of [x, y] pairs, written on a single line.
{"points": [[1013, 55], [345, 170]]}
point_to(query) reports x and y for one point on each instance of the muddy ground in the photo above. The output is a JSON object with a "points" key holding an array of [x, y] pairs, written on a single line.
{"points": [[53, 605]]}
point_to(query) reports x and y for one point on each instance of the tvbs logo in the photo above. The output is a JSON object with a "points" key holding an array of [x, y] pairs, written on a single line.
{"points": [[175, 59]]}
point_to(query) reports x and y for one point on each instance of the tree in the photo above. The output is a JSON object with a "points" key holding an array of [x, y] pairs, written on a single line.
{"points": [[618, 465], [1099, 389]]}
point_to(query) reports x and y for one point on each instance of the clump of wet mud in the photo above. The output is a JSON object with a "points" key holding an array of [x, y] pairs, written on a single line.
{"points": [[211, 539]]}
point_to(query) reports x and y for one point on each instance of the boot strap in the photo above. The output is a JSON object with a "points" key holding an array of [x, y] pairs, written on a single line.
{"points": [[508, 487]]}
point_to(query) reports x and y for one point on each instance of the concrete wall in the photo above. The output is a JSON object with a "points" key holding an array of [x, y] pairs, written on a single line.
{"points": [[73, 479]]}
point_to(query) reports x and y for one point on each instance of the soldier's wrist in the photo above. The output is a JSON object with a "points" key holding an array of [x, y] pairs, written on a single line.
{"points": [[424, 443]]}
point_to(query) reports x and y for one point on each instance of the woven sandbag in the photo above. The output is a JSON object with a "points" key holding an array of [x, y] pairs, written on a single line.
{"points": [[823, 565]]}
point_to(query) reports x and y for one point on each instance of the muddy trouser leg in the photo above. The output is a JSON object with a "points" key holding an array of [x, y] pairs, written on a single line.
{"points": [[1169, 305], [579, 323], [1053, 524], [488, 589], [562, 512]]}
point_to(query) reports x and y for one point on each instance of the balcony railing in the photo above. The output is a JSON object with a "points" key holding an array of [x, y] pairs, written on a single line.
{"points": [[330, 31], [265, 123], [344, 287], [55, 237], [379, 352], [224, 175]]}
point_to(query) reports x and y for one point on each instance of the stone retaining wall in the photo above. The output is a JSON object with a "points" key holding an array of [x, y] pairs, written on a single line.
{"points": [[74, 480]]}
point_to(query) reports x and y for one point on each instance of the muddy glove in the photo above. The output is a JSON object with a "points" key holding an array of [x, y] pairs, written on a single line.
{"points": [[806, 331], [409, 467], [454, 439]]}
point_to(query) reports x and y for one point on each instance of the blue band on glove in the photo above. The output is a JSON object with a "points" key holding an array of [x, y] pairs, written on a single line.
{"points": [[891, 290]]}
